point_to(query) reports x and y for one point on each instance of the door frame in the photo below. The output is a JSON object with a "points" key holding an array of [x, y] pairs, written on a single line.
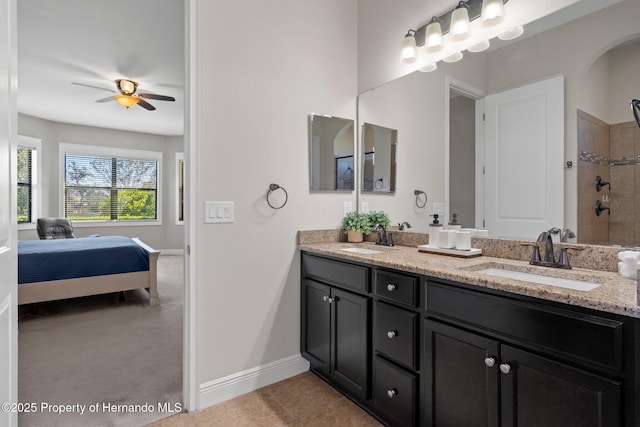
{"points": [[478, 95]]}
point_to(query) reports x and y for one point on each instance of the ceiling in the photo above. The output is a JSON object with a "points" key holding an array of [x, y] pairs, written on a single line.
{"points": [[94, 42]]}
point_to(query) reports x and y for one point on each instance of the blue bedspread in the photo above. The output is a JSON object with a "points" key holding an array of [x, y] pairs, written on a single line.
{"points": [[44, 260]]}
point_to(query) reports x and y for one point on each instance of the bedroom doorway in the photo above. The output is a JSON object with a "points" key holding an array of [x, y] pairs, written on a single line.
{"points": [[186, 268]]}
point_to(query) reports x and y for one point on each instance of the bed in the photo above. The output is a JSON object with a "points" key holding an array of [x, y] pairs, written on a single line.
{"points": [[68, 268]]}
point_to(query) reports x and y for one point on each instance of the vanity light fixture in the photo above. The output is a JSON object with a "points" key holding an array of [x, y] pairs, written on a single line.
{"points": [[492, 12], [479, 47], [512, 33], [434, 39], [457, 23], [409, 49], [453, 58], [428, 68], [460, 26]]}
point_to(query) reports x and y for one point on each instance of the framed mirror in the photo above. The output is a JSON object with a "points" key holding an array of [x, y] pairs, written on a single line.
{"points": [[331, 153], [379, 145]]}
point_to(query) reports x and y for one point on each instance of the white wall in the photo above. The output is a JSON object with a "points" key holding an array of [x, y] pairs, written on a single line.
{"points": [[265, 66], [165, 236]]}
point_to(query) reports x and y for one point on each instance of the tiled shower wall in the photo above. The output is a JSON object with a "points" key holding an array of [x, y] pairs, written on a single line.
{"points": [[601, 147]]}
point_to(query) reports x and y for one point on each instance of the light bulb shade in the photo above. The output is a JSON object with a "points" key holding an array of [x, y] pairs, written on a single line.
{"points": [[127, 101], [492, 12], [453, 58], [479, 47], [409, 51], [460, 23], [127, 87], [433, 36], [428, 68], [512, 33]]}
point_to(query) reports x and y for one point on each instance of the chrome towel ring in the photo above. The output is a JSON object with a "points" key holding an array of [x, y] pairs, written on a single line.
{"points": [[275, 187]]}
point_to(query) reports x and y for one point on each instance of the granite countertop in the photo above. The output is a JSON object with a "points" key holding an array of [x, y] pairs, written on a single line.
{"points": [[614, 295]]}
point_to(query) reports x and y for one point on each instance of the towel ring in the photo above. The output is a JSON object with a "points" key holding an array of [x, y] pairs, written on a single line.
{"points": [[379, 181], [272, 188], [418, 193]]}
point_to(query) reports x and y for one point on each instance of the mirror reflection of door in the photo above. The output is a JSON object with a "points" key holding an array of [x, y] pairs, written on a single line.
{"points": [[462, 157]]}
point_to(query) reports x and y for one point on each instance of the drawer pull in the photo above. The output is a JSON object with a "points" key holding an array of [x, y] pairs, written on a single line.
{"points": [[327, 299], [392, 287], [490, 362], [505, 368], [392, 334], [392, 393]]}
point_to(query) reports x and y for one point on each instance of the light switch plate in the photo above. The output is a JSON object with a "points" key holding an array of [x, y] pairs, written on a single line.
{"points": [[219, 212], [348, 207], [364, 207], [438, 208]]}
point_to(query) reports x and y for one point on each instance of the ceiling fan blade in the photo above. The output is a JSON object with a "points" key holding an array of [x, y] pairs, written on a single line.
{"points": [[93, 87], [145, 104], [158, 97], [107, 99]]}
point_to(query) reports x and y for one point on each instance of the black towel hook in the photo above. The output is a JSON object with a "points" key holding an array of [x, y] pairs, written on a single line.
{"points": [[272, 188]]}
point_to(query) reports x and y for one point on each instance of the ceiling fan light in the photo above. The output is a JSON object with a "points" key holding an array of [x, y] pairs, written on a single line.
{"points": [[126, 86], [492, 12], [127, 101], [479, 47], [460, 23]]}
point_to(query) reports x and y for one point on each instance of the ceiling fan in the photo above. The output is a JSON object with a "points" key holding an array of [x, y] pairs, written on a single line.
{"points": [[127, 96]]}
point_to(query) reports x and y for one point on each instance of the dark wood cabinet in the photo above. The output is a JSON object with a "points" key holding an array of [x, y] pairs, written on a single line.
{"points": [[431, 352], [336, 328]]}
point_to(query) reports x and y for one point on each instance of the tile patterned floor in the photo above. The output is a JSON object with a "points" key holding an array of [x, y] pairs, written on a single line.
{"points": [[300, 401]]}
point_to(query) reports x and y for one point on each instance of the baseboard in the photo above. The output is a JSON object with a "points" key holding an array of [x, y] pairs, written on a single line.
{"points": [[234, 385], [171, 251]]}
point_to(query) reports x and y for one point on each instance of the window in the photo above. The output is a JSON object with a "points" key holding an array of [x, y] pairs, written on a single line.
{"points": [[28, 172], [179, 188], [106, 184]]}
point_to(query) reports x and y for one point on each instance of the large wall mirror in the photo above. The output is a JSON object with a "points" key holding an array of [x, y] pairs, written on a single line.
{"points": [[597, 70], [331, 148]]}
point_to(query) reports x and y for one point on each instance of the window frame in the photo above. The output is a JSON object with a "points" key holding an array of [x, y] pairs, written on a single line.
{"points": [[124, 153], [179, 158], [34, 144]]}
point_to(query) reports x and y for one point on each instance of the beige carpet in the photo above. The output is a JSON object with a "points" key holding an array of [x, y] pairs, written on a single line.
{"points": [[104, 352]]}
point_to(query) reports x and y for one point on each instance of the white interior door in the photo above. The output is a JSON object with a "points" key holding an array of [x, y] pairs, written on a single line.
{"points": [[8, 227], [524, 155]]}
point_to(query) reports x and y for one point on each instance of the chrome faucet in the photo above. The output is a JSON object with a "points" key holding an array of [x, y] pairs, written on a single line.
{"points": [[382, 236], [403, 225]]}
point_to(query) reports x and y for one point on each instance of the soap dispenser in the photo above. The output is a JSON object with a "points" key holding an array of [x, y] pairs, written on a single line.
{"points": [[454, 224], [434, 228]]}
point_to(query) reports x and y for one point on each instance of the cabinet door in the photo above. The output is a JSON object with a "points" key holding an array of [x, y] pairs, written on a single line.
{"points": [[540, 392], [350, 364], [461, 378], [315, 329]]}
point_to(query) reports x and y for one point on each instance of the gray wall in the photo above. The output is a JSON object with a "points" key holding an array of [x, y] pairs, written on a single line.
{"points": [[165, 236]]}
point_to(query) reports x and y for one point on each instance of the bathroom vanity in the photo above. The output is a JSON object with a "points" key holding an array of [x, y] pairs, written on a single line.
{"points": [[425, 339]]}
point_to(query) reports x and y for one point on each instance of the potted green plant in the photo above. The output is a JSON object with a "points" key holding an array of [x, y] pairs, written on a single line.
{"points": [[356, 225], [379, 218]]}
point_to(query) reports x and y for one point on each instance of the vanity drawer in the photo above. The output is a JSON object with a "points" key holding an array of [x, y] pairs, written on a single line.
{"points": [[395, 392], [397, 287], [343, 274], [395, 333], [574, 336]]}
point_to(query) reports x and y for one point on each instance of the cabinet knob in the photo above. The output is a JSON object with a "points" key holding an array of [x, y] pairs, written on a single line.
{"points": [[330, 300], [392, 393], [505, 368], [490, 362], [325, 298], [392, 334], [392, 287]]}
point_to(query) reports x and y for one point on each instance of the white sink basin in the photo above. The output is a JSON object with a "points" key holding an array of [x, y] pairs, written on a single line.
{"points": [[577, 285], [362, 251]]}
